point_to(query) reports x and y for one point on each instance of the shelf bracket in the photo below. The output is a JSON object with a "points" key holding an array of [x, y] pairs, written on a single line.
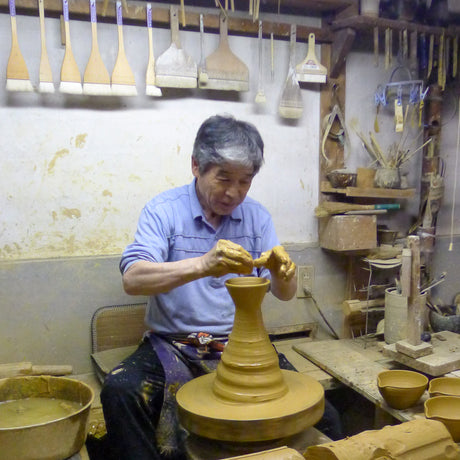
{"points": [[341, 46]]}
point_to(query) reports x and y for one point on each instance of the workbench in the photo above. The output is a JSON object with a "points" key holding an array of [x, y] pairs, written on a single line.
{"points": [[356, 364]]}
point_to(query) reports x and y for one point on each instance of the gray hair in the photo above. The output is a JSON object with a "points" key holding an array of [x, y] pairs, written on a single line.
{"points": [[223, 139]]}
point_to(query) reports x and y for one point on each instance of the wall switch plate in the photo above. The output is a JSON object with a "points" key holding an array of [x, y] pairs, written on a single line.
{"points": [[305, 277]]}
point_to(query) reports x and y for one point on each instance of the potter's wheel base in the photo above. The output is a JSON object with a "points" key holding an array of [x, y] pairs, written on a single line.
{"points": [[201, 412]]}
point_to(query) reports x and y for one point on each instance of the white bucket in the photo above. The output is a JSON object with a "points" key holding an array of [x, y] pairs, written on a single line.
{"points": [[396, 315]]}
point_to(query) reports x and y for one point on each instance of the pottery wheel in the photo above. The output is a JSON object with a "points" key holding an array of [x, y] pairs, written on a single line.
{"points": [[249, 398], [205, 414]]}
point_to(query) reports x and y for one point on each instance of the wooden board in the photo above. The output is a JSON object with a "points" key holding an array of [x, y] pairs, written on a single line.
{"points": [[357, 363], [445, 357], [349, 233]]}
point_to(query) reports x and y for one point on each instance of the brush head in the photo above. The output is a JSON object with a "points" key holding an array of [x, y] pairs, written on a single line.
{"points": [[311, 77], [203, 77], [123, 90], [290, 112], [224, 84], [175, 69], [46, 87], [13, 84], [152, 90], [175, 81], [260, 98], [70, 87], [97, 89]]}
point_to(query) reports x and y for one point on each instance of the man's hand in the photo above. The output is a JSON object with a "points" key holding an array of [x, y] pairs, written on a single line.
{"points": [[279, 263], [227, 257]]}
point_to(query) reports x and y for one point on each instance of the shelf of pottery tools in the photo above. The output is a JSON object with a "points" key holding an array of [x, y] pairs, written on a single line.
{"points": [[134, 14], [368, 23]]}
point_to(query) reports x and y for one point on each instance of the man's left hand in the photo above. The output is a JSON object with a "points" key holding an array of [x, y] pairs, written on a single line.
{"points": [[279, 263]]}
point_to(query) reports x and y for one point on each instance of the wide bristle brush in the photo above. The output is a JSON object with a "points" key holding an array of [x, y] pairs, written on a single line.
{"points": [[17, 75]]}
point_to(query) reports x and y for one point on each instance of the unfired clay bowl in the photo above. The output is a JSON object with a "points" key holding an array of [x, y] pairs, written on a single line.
{"points": [[446, 409], [444, 386], [401, 389]]}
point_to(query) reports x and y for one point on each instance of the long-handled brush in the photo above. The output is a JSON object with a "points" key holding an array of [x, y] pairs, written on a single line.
{"points": [[96, 79], [150, 88], [225, 70], [202, 74], [46, 76], [310, 69], [17, 75], [70, 75], [260, 96], [174, 68], [291, 103], [123, 82], [327, 208]]}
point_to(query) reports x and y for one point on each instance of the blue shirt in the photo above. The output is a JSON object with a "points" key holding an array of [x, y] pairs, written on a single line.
{"points": [[172, 227]]}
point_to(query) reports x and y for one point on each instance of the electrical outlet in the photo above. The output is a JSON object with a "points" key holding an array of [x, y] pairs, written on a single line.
{"points": [[305, 276]]}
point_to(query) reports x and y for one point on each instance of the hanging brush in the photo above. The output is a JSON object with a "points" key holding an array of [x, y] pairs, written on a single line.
{"points": [[17, 75], [150, 88]]}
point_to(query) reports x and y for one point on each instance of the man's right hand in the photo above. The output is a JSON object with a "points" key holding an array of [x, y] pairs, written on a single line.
{"points": [[227, 257]]}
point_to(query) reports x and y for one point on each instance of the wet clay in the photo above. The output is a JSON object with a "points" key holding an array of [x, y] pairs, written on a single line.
{"points": [[401, 389], [249, 398], [418, 439], [55, 439], [32, 411], [446, 409]]}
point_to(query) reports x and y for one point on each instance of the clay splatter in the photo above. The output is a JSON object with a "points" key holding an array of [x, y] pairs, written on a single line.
{"points": [[80, 140], [57, 155], [72, 213]]}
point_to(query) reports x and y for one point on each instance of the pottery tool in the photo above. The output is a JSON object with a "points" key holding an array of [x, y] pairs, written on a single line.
{"points": [[45, 75], [225, 70], [17, 75], [430, 56], [70, 75], [376, 46], [441, 62], [387, 48], [202, 74], [150, 88], [96, 79], [174, 68], [310, 69], [454, 57], [291, 104], [327, 208], [123, 82], [272, 57], [260, 96]]}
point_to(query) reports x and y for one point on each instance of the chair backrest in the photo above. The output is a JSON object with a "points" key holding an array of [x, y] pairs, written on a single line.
{"points": [[117, 326]]}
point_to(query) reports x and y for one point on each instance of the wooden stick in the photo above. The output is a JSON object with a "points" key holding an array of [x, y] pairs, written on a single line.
{"points": [[415, 311]]}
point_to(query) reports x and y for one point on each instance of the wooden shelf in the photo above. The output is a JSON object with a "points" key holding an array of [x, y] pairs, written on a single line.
{"points": [[369, 192], [134, 13], [367, 23]]}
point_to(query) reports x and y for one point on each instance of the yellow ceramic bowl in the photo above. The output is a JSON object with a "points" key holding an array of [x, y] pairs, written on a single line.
{"points": [[401, 389], [446, 409], [444, 386]]}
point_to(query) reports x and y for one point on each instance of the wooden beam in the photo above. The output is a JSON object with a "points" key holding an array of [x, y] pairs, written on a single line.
{"points": [[135, 14], [341, 46]]}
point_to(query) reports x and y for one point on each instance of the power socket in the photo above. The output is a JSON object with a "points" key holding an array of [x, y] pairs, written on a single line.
{"points": [[305, 277]]}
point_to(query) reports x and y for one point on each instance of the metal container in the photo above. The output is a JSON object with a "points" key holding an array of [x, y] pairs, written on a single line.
{"points": [[55, 440]]}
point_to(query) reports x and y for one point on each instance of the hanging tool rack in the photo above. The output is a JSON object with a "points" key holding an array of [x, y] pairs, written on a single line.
{"points": [[134, 14]]}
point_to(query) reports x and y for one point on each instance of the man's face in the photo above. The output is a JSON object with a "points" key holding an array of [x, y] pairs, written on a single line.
{"points": [[222, 188]]}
